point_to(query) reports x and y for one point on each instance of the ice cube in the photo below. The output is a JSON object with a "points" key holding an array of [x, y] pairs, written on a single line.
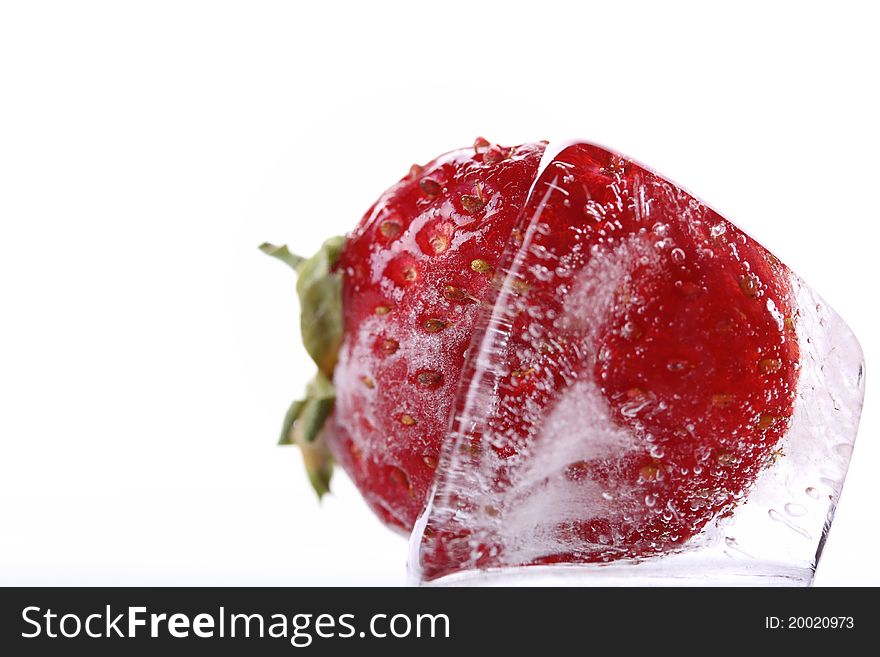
{"points": [[651, 396]]}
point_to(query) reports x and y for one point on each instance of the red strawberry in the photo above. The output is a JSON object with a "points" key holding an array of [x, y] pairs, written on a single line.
{"points": [[629, 304], [651, 367]]}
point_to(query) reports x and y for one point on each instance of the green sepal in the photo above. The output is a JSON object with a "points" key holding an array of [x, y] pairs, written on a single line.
{"points": [[320, 296], [306, 417], [293, 412], [304, 427], [320, 292]]}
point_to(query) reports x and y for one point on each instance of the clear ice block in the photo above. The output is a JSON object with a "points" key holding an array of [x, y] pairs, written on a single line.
{"points": [[509, 504]]}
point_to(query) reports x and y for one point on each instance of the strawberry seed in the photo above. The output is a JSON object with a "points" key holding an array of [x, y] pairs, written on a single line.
{"points": [[430, 186]]}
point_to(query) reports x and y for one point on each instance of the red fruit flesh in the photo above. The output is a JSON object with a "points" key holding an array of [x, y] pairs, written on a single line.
{"points": [[646, 308], [411, 296]]}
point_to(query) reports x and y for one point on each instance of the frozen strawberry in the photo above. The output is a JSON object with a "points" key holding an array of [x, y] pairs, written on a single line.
{"points": [[643, 358], [645, 378]]}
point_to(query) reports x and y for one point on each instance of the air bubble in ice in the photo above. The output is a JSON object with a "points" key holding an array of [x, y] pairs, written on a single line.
{"points": [[778, 517], [776, 314], [795, 510], [542, 273], [660, 229], [628, 330], [632, 407], [829, 483]]}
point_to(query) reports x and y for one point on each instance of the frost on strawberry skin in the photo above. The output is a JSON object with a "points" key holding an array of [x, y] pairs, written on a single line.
{"points": [[416, 273]]}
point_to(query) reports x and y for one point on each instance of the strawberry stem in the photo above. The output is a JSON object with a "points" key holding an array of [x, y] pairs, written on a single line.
{"points": [[281, 252]]}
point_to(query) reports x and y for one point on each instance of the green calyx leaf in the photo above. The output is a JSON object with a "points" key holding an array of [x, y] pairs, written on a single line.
{"points": [[306, 417], [320, 293], [304, 427]]}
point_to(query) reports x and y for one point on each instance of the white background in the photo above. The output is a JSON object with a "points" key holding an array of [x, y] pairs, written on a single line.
{"points": [[148, 351]]}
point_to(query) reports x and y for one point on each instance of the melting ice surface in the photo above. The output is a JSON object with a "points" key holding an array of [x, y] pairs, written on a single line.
{"points": [[509, 499]]}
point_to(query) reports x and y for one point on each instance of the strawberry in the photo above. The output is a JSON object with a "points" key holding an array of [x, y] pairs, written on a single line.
{"points": [[646, 374], [410, 279], [646, 377]]}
